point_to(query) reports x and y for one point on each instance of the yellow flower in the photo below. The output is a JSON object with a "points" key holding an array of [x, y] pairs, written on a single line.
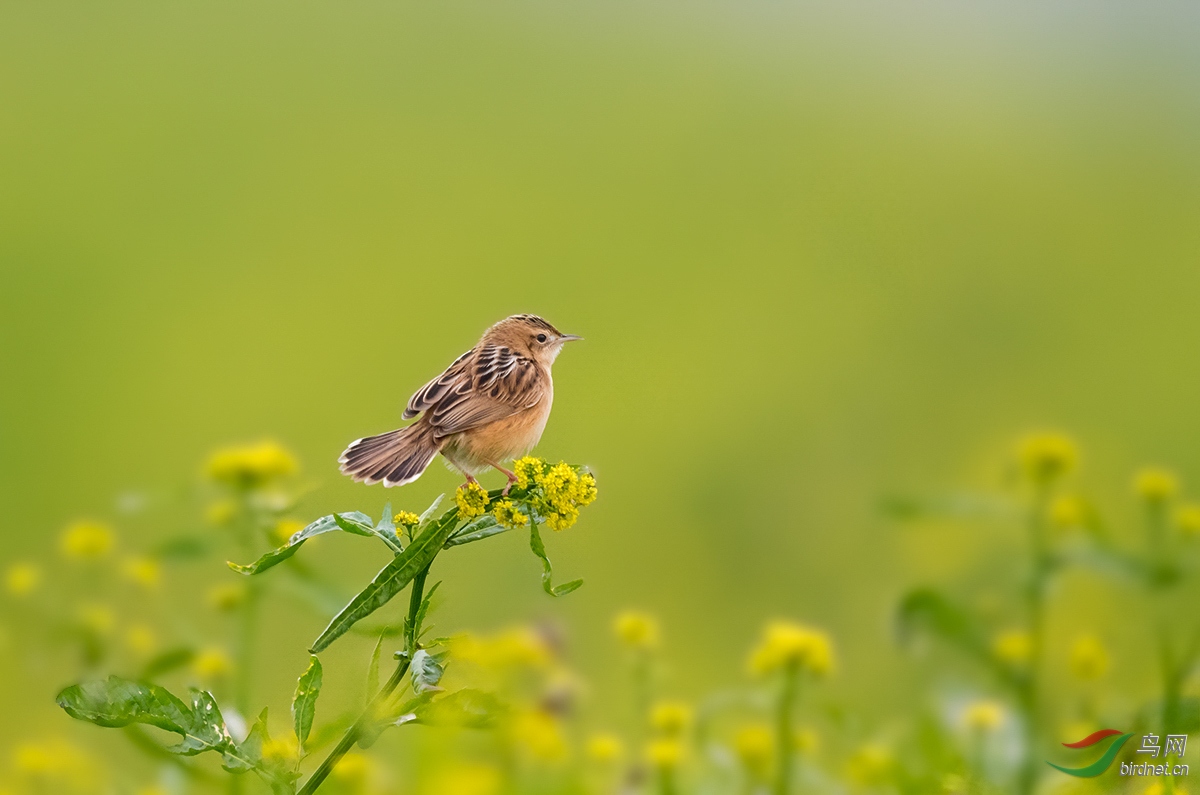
{"points": [[871, 765], [34, 759], [753, 745], [406, 519], [670, 717], [664, 754], [1046, 456], [563, 491], [538, 735], [87, 541], [528, 471], [1187, 519], [1069, 512], [140, 640], [605, 748], [460, 779], [513, 648], [1013, 646], [472, 500], [508, 515], [636, 630], [250, 466], [284, 529], [211, 663], [143, 572], [58, 761], [22, 579], [352, 767], [96, 618], [281, 749], [1155, 485], [226, 597], [1089, 658], [983, 716], [786, 645]]}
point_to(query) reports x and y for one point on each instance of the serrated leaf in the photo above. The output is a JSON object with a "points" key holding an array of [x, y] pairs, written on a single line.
{"points": [[390, 580], [117, 702], [304, 703], [427, 515], [426, 670], [539, 549]]}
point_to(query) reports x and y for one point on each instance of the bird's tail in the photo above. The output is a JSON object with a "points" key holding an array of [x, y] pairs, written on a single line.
{"points": [[396, 457]]}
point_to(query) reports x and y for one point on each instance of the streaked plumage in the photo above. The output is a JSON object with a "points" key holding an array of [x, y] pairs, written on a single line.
{"points": [[490, 405]]}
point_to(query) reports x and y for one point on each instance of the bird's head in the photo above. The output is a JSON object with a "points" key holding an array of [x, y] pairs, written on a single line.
{"points": [[529, 335]]}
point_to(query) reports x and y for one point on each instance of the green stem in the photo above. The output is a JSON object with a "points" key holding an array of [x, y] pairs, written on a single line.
{"points": [[784, 742], [350, 738]]}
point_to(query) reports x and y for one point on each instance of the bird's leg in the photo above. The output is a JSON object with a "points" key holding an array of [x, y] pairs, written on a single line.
{"points": [[470, 478], [512, 477]]}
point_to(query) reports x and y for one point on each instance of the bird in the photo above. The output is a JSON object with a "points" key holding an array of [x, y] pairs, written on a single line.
{"points": [[490, 405]]}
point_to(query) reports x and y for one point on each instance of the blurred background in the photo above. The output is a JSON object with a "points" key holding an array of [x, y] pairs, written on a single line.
{"points": [[822, 255]]}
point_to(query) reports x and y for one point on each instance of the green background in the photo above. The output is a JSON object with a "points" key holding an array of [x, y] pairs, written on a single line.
{"points": [[819, 255]]}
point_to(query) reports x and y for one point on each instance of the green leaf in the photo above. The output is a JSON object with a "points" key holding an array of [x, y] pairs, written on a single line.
{"points": [[427, 516], [358, 522], [426, 670], [304, 703], [118, 702], [483, 527], [418, 628], [539, 549], [276, 771], [386, 529], [392, 579], [350, 525]]}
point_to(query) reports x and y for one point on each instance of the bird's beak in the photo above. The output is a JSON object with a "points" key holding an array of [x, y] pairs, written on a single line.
{"points": [[569, 337]]}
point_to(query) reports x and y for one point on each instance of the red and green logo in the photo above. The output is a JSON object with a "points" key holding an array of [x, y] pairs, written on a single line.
{"points": [[1106, 759]]}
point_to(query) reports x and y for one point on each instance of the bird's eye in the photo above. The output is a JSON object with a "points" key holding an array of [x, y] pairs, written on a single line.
{"points": [[541, 337]]}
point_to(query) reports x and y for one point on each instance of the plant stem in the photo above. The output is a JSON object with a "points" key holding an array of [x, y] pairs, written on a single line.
{"points": [[784, 742], [1036, 609], [350, 738]]}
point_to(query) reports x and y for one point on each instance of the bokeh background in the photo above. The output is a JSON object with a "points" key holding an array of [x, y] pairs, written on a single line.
{"points": [[821, 254]]}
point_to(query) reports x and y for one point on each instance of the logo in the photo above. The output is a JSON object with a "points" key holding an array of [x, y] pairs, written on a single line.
{"points": [[1176, 744]]}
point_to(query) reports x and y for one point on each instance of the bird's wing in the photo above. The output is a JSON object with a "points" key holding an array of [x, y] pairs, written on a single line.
{"points": [[449, 381], [497, 383]]}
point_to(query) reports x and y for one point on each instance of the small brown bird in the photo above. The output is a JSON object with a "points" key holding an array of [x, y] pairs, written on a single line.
{"points": [[489, 406]]}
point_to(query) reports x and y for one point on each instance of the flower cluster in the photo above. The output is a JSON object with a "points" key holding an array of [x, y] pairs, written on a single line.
{"points": [[472, 500], [87, 541], [1046, 456], [250, 466], [788, 645], [557, 491], [406, 519], [636, 630], [508, 515]]}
